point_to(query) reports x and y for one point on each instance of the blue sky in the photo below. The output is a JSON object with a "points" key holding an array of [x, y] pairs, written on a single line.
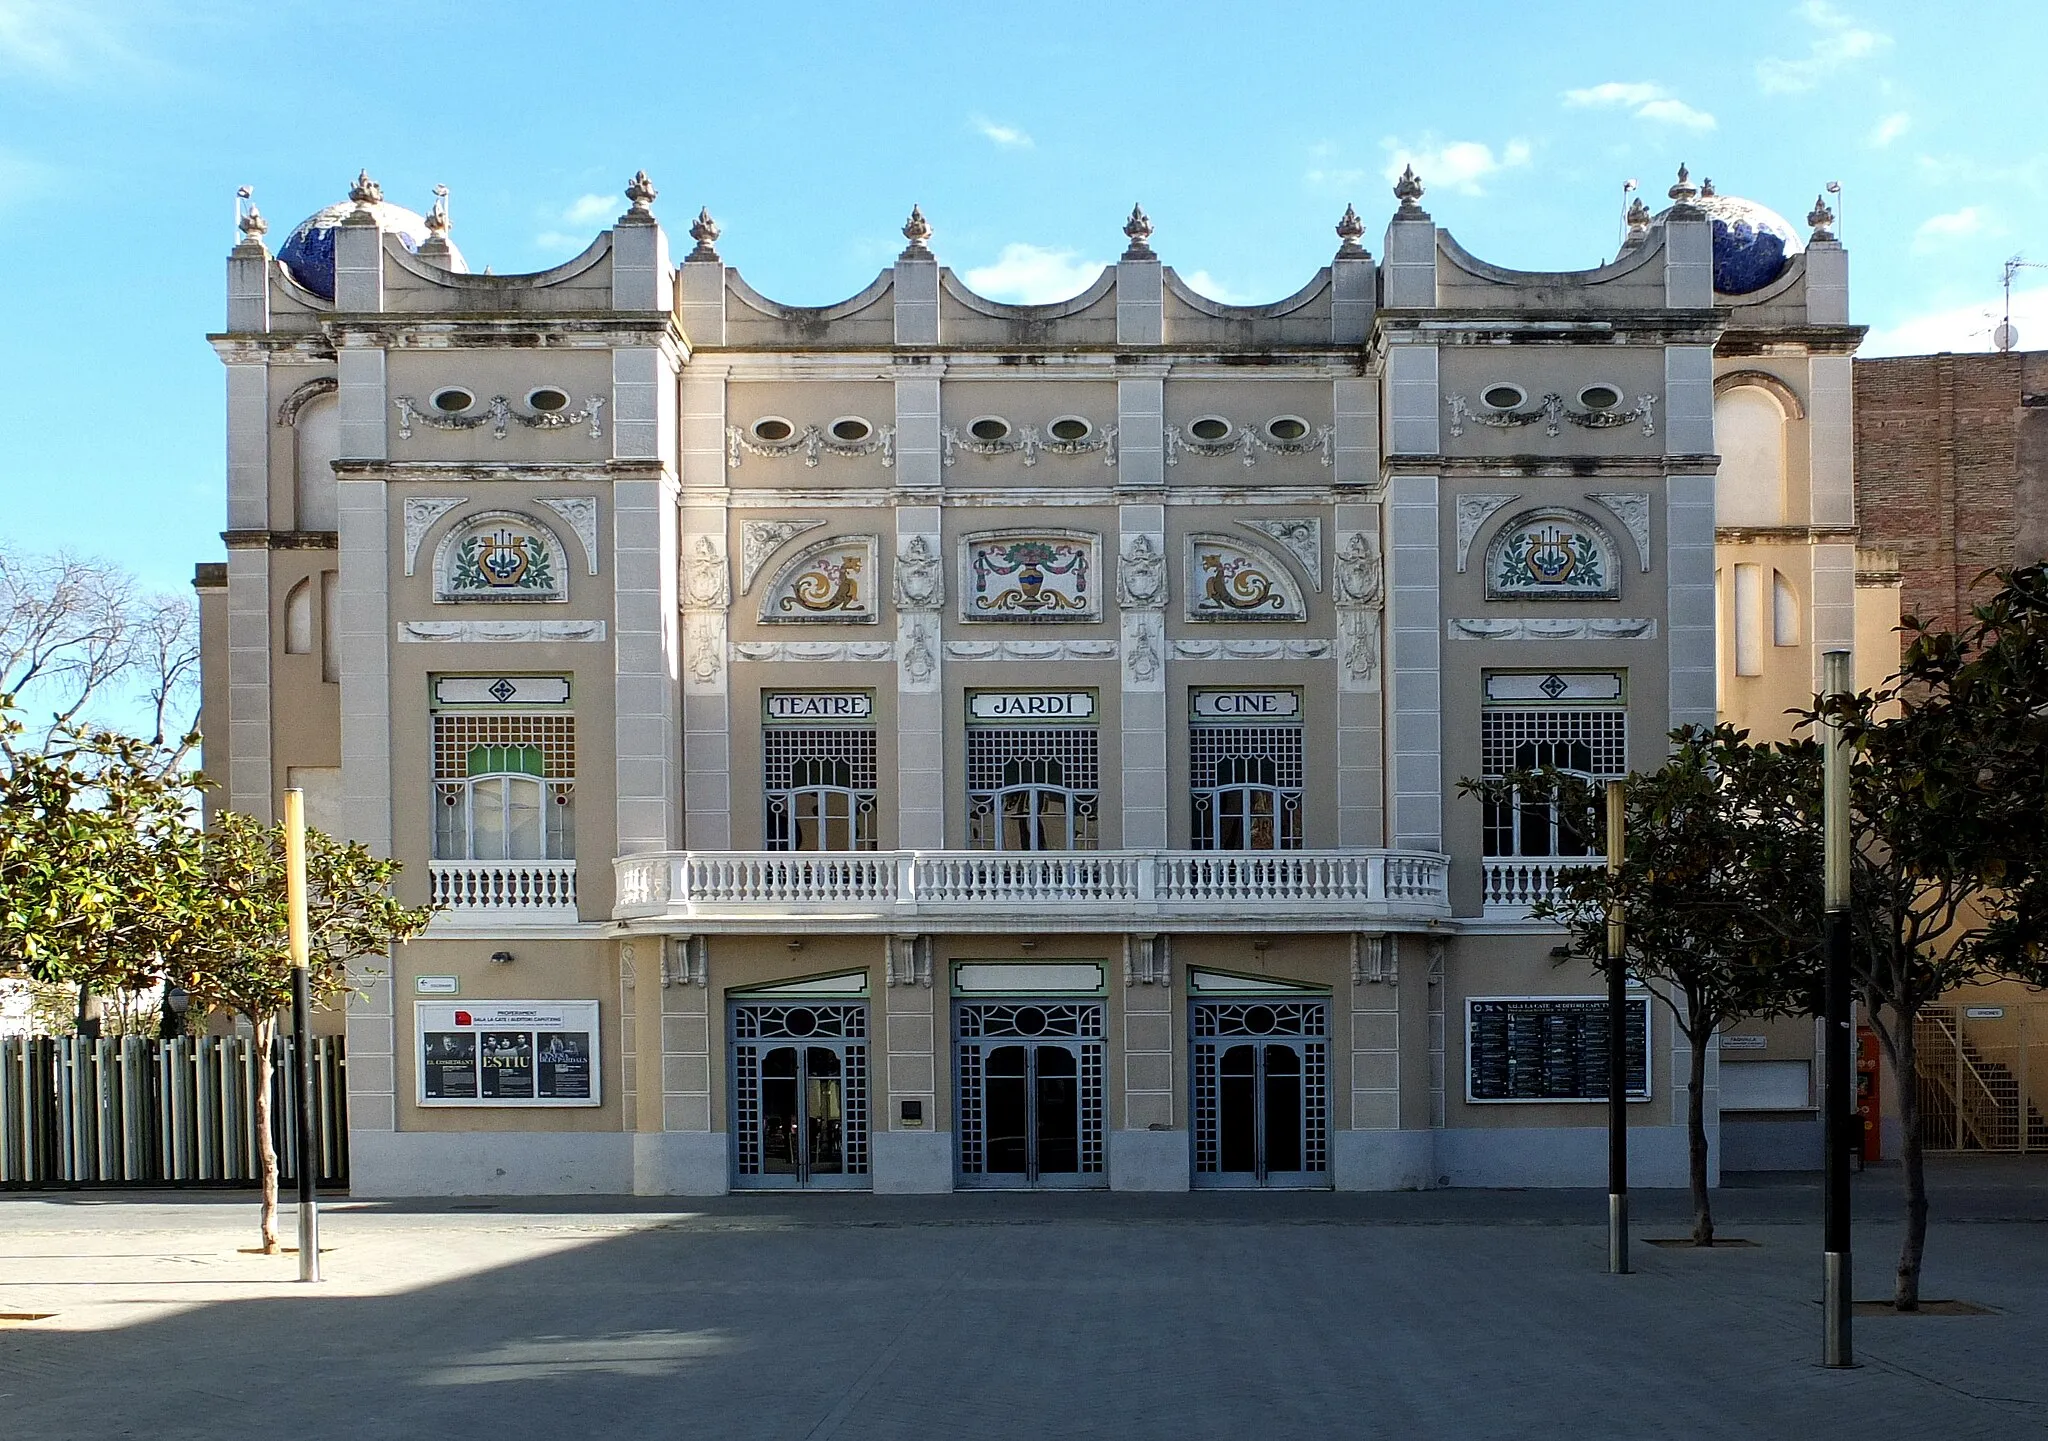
{"points": [[1025, 132]]}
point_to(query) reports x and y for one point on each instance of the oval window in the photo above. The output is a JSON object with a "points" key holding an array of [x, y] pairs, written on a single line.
{"points": [[989, 427], [453, 401], [1599, 397], [1210, 427], [1070, 427], [549, 399], [1502, 397], [1287, 427], [772, 428], [851, 427]]}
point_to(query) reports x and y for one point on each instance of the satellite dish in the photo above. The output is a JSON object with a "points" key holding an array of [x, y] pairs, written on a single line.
{"points": [[2005, 336]]}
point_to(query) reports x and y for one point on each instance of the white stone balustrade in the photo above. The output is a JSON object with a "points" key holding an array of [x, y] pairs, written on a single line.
{"points": [[1513, 884], [1048, 890], [504, 892]]}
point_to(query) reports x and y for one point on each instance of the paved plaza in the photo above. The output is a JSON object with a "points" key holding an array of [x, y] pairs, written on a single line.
{"points": [[1451, 1314]]}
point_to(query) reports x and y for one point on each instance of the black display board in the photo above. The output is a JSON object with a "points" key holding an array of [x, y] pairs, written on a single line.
{"points": [[1549, 1048]]}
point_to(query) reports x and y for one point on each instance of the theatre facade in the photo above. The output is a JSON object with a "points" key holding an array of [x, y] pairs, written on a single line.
{"points": [[925, 743]]}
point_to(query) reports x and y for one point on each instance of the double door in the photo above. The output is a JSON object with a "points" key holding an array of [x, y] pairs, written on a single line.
{"points": [[1261, 1091], [1029, 1079], [800, 1096]]}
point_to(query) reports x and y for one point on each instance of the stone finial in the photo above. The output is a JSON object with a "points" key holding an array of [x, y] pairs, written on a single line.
{"points": [[1822, 219], [640, 194], [918, 231], [1707, 187], [1350, 230], [437, 214], [248, 219], [1684, 191], [1138, 230], [1408, 189], [365, 191], [1638, 219], [704, 230]]}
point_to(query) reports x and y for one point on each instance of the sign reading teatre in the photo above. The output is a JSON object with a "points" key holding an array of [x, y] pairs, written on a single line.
{"points": [[1032, 705], [804, 705], [1247, 704]]}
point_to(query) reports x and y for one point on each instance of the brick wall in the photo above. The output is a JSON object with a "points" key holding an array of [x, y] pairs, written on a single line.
{"points": [[1952, 469]]}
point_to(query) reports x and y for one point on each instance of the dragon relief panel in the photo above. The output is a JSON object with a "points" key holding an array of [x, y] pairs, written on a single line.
{"points": [[1229, 580], [830, 582]]}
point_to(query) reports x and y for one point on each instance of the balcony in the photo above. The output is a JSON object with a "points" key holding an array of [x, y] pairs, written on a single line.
{"points": [[1036, 890], [504, 892], [1513, 884]]}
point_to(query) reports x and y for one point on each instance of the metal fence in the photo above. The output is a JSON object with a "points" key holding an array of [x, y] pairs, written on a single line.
{"points": [[1982, 1077], [137, 1112]]}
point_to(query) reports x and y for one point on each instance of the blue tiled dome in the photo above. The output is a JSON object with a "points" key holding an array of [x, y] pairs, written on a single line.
{"points": [[1752, 242], [308, 252]]}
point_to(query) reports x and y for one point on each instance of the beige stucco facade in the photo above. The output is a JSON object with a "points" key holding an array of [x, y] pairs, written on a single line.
{"points": [[925, 742]]}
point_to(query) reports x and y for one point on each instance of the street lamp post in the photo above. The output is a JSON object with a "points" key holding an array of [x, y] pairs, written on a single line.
{"points": [[1617, 1050], [302, 1078], [1838, 1081]]}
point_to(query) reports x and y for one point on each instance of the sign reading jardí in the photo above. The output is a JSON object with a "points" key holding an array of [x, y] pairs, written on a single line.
{"points": [[508, 1053], [803, 705], [1031, 705]]}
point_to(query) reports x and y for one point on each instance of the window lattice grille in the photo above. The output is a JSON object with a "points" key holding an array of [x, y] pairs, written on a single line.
{"points": [[765, 1021], [788, 751], [1261, 1018], [456, 734], [1592, 741], [1212, 750], [993, 749]]}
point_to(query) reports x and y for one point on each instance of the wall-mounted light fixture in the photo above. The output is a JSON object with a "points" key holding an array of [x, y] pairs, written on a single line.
{"points": [[795, 943], [501, 958]]}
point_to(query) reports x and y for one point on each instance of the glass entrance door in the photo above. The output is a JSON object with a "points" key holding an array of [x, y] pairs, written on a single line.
{"points": [[800, 1112], [1261, 1093], [1029, 1078]]}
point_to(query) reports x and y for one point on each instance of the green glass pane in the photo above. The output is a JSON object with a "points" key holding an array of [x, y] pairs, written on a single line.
{"points": [[498, 760]]}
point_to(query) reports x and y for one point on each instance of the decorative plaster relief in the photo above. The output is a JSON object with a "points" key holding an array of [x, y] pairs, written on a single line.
{"points": [[527, 631], [1358, 639], [760, 539], [704, 649], [1632, 509], [580, 511], [920, 574], [1144, 638], [1361, 570], [419, 513], [1551, 554], [917, 663], [1251, 649], [704, 576], [1547, 628], [813, 650], [811, 443], [1302, 537], [501, 555], [1472, 513], [829, 581], [1141, 572], [1551, 410], [288, 409], [1030, 575], [1026, 440], [1248, 442], [1234, 580], [1031, 650], [498, 414]]}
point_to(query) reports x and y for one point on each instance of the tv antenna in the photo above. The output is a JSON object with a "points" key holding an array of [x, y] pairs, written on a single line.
{"points": [[2005, 336]]}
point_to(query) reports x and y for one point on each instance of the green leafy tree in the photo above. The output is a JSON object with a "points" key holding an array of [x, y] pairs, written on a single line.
{"points": [[1705, 838], [237, 956]]}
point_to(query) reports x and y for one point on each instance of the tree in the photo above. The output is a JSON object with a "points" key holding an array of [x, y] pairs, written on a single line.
{"points": [[1704, 837], [96, 853], [236, 956]]}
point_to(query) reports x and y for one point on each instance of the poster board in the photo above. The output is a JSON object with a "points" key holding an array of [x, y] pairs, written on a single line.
{"points": [[1532, 1049], [508, 1053]]}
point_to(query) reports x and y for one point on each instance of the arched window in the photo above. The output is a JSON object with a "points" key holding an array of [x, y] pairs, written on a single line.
{"points": [[500, 802], [316, 442], [1031, 789], [298, 619], [820, 788], [1749, 429], [1246, 783]]}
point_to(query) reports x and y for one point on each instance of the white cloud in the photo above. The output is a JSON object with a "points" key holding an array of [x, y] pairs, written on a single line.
{"points": [[1965, 327], [590, 210], [1203, 283], [1649, 102], [1007, 136], [1890, 128], [59, 40], [1841, 42], [558, 243], [1937, 231], [1034, 275], [1453, 165]]}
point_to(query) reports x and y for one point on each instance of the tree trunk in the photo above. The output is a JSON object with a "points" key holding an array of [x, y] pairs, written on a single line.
{"points": [[1912, 1163], [1696, 1137], [266, 1150], [89, 1013]]}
